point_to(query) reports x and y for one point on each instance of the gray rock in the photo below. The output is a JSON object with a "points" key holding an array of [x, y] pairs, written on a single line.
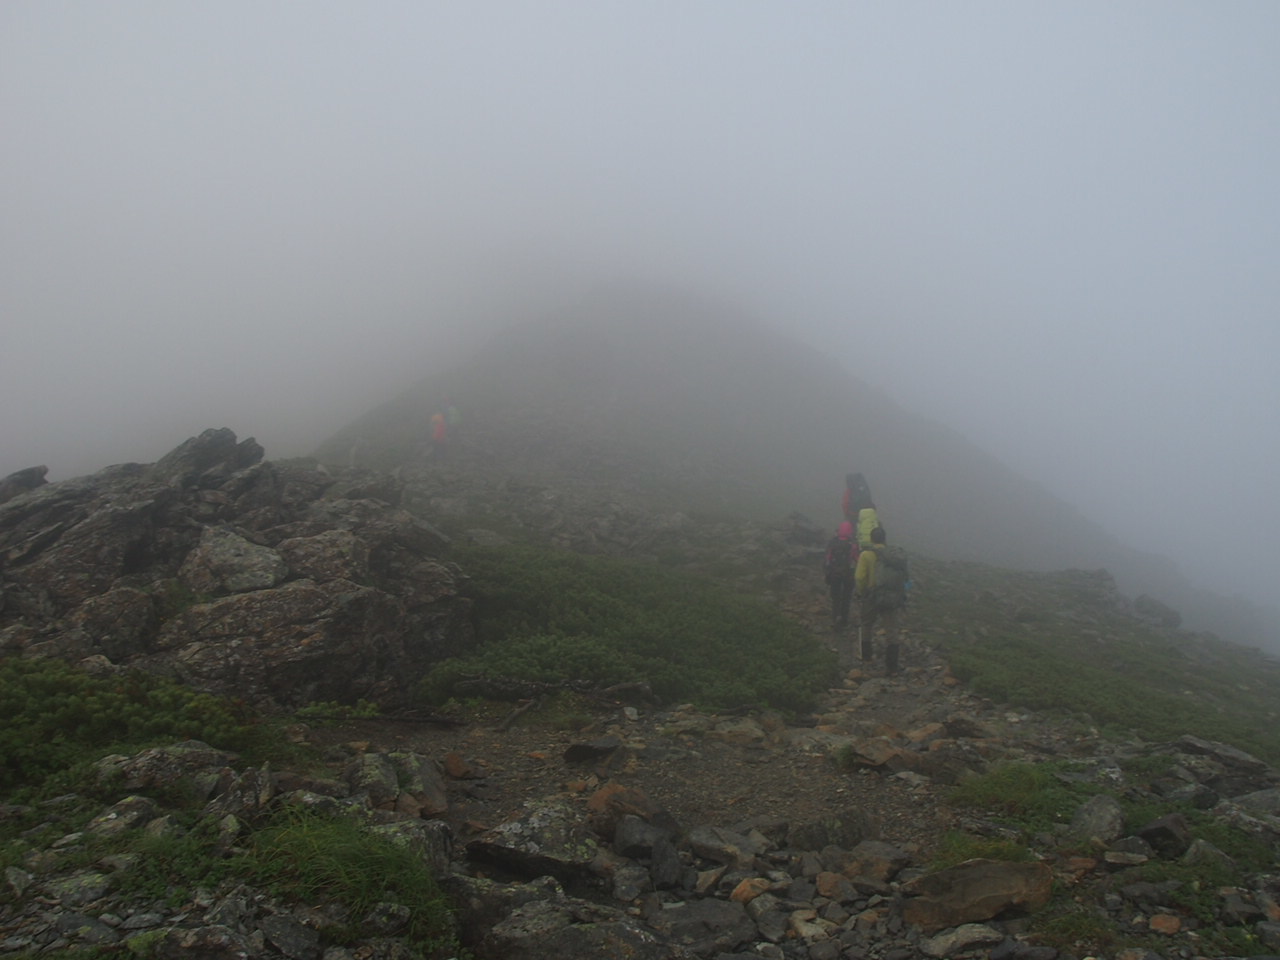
{"points": [[295, 940], [22, 481], [724, 846], [1100, 817], [128, 814], [705, 926], [548, 838], [79, 888], [844, 828], [562, 928], [962, 938]]}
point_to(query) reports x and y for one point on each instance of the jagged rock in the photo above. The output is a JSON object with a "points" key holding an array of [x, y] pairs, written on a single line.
{"points": [[206, 460], [22, 481], [974, 890]]}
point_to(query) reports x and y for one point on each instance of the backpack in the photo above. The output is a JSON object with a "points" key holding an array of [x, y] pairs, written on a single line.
{"points": [[841, 556], [867, 521], [892, 573]]}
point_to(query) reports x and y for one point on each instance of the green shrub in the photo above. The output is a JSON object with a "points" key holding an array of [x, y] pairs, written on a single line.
{"points": [[306, 856], [57, 718], [1027, 794], [957, 847], [169, 868], [555, 616]]}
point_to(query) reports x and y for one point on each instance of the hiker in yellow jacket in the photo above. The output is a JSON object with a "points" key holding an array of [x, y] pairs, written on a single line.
{"points": [[881, 580]]}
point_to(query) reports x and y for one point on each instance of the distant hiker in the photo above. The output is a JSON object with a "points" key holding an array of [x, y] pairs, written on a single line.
{"points": [[859, 508], [882, 578], [452, 419], [838, 567], [439, 433]]}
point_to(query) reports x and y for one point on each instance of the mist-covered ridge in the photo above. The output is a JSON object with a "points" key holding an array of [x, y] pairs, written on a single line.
{"points": [[691, 403]]}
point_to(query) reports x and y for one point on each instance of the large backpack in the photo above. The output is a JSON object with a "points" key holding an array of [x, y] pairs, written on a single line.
{"points": [[892, 573], [841, 557], [867, 521]]}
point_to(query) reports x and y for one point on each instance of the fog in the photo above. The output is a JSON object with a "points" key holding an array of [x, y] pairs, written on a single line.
{"points": [[1051, 226]]}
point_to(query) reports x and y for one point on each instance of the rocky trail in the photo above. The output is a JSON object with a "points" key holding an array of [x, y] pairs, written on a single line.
{"points": [[564, 826]]}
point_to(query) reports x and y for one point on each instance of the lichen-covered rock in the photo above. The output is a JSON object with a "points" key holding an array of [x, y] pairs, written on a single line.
{"points": [[225, 562], [234, 575], [548, 838]]}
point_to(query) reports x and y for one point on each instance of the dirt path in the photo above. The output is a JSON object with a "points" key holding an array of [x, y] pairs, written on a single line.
{"points": [[701, 769]]}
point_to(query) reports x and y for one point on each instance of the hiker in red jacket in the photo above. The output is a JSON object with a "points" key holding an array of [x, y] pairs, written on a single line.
{"points": [[439, 434]]}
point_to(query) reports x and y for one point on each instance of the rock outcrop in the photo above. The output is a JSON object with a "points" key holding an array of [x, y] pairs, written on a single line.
{"points": [[281, 583]]}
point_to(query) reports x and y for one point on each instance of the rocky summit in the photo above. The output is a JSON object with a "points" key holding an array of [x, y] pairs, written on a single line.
{"points": [[633, 828]]}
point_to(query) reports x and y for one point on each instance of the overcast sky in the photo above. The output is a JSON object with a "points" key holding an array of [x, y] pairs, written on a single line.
{"points": [[1054, 226]]}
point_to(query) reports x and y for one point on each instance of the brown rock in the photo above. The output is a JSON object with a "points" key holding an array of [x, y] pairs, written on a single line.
{"points": [[749, 889], [1165, 923], [975, 890]]}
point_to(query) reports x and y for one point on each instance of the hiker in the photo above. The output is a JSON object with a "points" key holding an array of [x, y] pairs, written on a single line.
{"points": [[859, 509], [838, 566], [439, 433], [882, 578]]}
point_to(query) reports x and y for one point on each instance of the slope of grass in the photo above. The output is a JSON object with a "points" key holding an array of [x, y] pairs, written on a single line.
{"points": [[556, 616], [1061, 642]]}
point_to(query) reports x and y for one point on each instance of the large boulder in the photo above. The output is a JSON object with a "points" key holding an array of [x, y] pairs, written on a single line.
{"points": [[975, 890]]}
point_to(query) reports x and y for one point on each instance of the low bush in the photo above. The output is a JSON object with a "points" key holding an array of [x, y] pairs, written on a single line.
{"points": [[1028, 795], [303, 855], [58, 717]]}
